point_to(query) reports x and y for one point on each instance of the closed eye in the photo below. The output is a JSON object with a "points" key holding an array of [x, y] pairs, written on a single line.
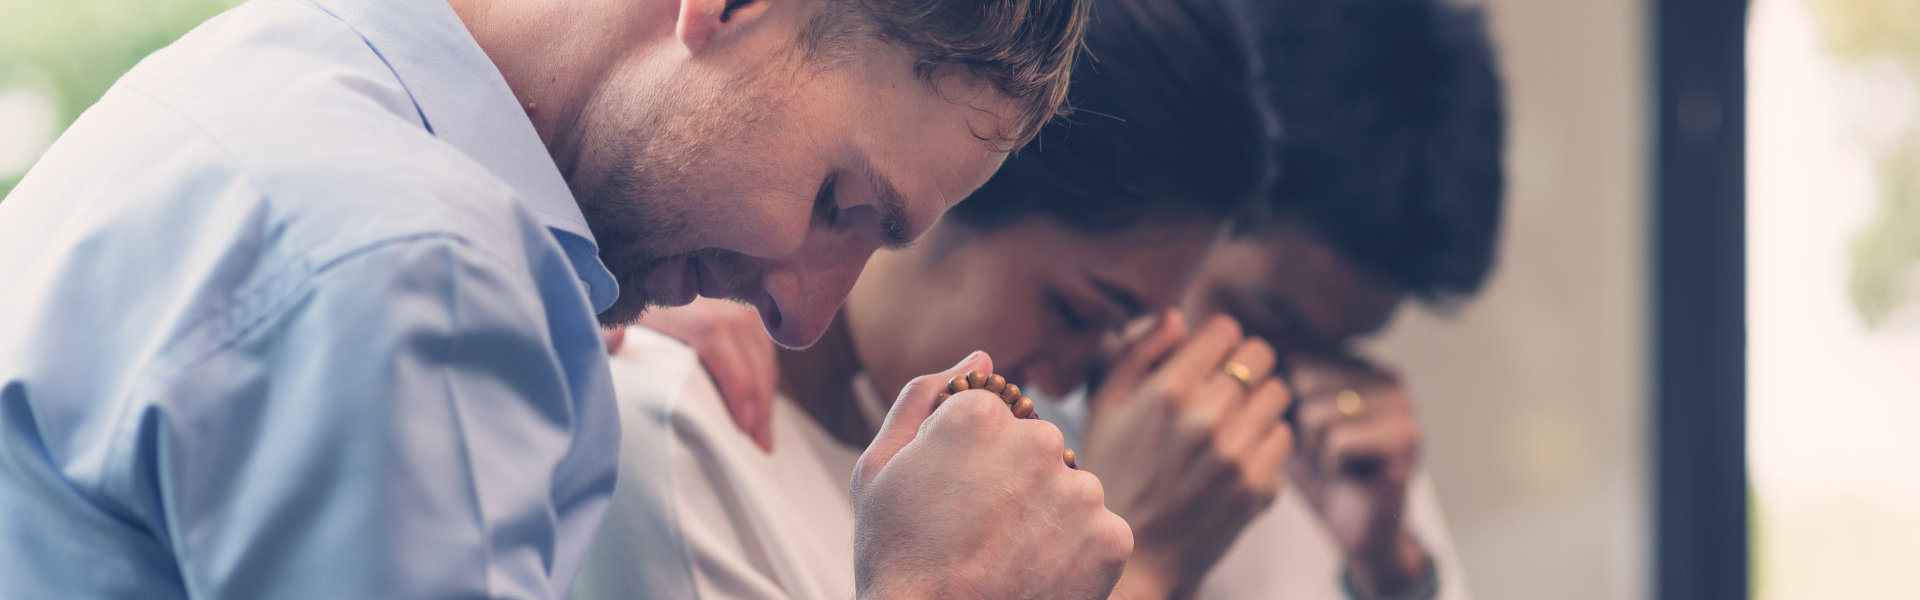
{"points": [[1072, 319], [825, 204]]}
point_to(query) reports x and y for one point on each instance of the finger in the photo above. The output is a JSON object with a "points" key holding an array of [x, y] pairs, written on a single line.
{"points": [[1269, 460], [765, 360], [1260, 414], [909, 411], [1257, 356], [1274, 449], [1140, 357], [1254, 354], [763, 428], [726, 365], [1225, 393], [614, 337], [1201, 356], [1317, 414]]}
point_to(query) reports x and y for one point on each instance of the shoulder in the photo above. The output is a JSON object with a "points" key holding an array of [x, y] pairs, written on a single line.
{"points": [[666, 396], [670, 510], [292, 102], [654, 375]]}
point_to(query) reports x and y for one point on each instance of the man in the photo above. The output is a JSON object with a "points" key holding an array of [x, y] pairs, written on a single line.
{"points": [[305, 306], [1391, 190]]}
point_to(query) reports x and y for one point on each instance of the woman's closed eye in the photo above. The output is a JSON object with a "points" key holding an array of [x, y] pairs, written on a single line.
{"points": [[1073, 319]]}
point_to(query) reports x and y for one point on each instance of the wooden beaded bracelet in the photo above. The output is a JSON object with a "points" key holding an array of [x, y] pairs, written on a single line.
{"points": [[1009, 392]]}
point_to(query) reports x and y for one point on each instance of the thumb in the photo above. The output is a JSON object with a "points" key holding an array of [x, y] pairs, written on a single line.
{"points": [[911, 409]]}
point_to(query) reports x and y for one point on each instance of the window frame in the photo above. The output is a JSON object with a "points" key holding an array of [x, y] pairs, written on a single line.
{"points": [[1701, 494]]}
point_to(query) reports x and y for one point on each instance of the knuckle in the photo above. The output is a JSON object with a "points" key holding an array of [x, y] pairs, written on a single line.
{"points": [[974, 407], [1041, 436], [1087, 488], [921, 385], [1193, 423], [1116, 537], [1156, 388]]}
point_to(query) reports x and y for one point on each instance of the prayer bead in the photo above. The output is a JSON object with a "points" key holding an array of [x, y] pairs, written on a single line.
{"points": [[1023, 408], [976, 379], [1067, 455], [995, 384], [941, 399], [1011, 394], [959, 384]]}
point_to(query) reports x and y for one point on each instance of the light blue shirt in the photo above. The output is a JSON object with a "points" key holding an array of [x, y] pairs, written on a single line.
{"points": [[302, 309]]}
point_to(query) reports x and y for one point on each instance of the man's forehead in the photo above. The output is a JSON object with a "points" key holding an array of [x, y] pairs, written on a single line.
{"points": [[916, 198]]}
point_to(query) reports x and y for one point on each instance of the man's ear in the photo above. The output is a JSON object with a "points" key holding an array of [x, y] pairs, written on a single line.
{"points": [[704, 22]]}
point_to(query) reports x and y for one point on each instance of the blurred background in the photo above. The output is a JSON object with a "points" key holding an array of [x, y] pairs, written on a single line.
{"points": [[1696, 372]]}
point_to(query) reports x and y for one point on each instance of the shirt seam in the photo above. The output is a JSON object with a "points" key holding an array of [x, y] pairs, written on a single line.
{"points": [[674, 446], [459, 424], [281, 289]]}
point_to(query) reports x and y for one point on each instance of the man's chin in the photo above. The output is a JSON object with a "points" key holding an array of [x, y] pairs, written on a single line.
{"points": [[626, 310]]}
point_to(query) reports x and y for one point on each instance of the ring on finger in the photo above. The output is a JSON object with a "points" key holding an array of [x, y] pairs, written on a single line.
{"points": [[1350, 403], [1241, 373]]}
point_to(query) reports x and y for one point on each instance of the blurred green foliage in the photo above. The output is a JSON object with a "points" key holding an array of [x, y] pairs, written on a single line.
{"points": [[71, 51], [1886, 254]]}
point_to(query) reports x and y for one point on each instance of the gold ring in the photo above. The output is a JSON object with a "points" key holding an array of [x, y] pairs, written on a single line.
{"points": [[1240, 373], [1350, 403]]}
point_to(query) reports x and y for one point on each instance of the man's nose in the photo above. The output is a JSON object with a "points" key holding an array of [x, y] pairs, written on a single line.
{"points": [[803, 299]]}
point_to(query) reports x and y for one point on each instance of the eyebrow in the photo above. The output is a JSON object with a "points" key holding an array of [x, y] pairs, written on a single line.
{"points": [[896, 228], [1122, 296]]}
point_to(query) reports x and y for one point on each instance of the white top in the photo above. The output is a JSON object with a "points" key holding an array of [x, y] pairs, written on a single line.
{"points": [[700, 512]]}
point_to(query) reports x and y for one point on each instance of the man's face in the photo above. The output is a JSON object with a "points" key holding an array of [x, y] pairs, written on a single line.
{"points": [[756, 173], [1295, 291]]}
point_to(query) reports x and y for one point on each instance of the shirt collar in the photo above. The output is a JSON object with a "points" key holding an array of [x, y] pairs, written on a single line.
{"points": [[464, 101]]}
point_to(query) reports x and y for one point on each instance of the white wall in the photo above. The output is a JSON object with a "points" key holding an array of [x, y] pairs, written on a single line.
{"points": [[1535, 395]]}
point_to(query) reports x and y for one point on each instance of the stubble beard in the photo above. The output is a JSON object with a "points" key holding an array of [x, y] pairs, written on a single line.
{"points": [[672, 136]]}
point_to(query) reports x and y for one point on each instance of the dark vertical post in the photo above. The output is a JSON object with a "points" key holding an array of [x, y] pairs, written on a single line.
{"points": [[1700, 323]]}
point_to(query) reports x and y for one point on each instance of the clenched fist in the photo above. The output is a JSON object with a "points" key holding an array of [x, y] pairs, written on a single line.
{"points": [[970, 502]]}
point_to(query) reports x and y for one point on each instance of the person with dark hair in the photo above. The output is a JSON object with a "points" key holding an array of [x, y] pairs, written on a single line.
{"points": [[309, 304], [1391, 189], [1102, 221]]}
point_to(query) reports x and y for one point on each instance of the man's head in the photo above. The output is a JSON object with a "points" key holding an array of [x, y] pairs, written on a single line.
{"points": [[761, 150], [1390, 170], [1100, 221]]}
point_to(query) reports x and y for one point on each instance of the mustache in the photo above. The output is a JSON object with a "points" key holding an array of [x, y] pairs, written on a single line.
{"points": [[731, 275]]}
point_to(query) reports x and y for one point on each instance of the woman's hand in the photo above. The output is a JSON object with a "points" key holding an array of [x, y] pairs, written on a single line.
{"points": [[737, 353], [1358, 446], [1186, 435]]}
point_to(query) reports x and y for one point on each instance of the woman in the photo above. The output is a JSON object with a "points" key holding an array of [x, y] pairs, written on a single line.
{"points": [[1096, 225]]}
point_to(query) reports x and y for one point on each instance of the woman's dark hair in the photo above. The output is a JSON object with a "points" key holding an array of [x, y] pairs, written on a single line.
{"points": [[1168, 125], [1392, 135]]}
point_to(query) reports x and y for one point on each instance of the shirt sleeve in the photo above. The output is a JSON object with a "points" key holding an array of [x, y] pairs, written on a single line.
{"points": [[395, 430]]}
